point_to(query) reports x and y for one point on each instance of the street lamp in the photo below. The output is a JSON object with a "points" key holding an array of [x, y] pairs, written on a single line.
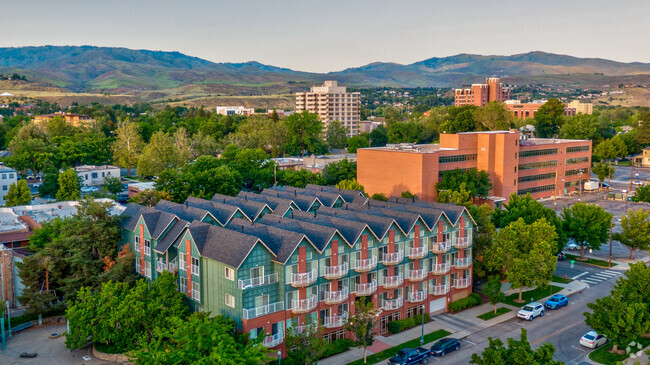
{"points": [[8, 318], [580, 185], [279, 357], [422, 338]]}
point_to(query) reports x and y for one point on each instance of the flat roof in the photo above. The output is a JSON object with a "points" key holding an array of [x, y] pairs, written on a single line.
{"points": [[541, 141], [9, 221]]}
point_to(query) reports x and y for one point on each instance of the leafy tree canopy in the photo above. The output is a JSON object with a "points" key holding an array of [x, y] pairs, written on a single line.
{"points": [[517, 352], [477, 183], [18, 194], [586, 224]]}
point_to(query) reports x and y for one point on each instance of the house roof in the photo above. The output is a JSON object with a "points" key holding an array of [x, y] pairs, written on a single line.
{"points": [[252, 209], [178, 227], [326, 197], [277, 205], [280, 241], [183, 211], [350, 230], [156, 220], [220, 211], [319, 235], [379, 225], [348, 195], [303, 202]]}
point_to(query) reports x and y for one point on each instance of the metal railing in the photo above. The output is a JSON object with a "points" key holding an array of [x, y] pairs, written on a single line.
{"points": [[417, 252], [417, 296], [416, 275], [462, 242], [257, 281], [274, 340], [173, 265], [336, 271], [462, 283], [443, 268], [440, 247], [366, 289], [303, 278], [335, 321], [160, 265], [441, 289], [464, 262], [392, 258], [263, 310], [333, 297], [304, 305], [392, 304], [366, 264], [393, 281]]}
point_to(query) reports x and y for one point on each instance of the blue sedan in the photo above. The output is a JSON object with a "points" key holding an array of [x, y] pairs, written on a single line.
{"points": [[556, 301]]}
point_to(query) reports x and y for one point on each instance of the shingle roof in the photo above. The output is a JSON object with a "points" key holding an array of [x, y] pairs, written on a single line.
{"points": [[178, 227], [349, 229], [430, 216], [156, 220], [278, 205], [304, 202], [379, 225], [251, 208], [348, 195], [404, 219], [326, 197], [220, 211], [186, 212], [451, 210], [280, 241], [319, 235]]}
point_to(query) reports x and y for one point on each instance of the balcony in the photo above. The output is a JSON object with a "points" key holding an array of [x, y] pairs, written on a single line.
{"points": [[464, 262], [304, 305], [440, 247], [303, 279], [335, 272], [365, 264], [335, 321], [393, 281], [392, 304], [462, 283], [462, 242], [366, 289], [258, 281], [417, 252], [393, 258], [263, 310], [439, 269], [336, 297], [440, 289], [417, 296], [173, 265], [417, 275], [160, 265], [274, 340]]}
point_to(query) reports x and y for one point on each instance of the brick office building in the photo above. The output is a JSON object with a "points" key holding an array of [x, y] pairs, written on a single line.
{"points": [[539, 166], [481, 94]]}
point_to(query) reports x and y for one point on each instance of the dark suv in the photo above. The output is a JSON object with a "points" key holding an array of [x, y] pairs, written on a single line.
{"points": [[444, 346]]}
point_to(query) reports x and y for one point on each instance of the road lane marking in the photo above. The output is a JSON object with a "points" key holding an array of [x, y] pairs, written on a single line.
{"points": [[578, 348], [579, 275], [469, 342], [606, 277], [556, 332]]}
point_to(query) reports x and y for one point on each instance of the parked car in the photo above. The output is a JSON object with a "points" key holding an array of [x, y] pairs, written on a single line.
{"points": [[28, 355], [445, 346], [89, 189], [592, 340], [37, 185], [409, 356], [561, 256], [572, 246], [531, 310], [556, 301], [638, 182]]}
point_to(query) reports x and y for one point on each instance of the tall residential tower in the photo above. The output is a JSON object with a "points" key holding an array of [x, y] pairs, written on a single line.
{"points": [[332, 103]]}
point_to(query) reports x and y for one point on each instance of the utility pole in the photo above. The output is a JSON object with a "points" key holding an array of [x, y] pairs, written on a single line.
{"points": [[555, 191], [580, 185], [611, 229], [275, 176], [631, 175]]}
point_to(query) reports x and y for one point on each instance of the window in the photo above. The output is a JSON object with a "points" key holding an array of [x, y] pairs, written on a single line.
{"points": [[515, 169], [457, 158], [537, 189], [4, 176], [137, 243], [257, 272], [93, 175], [230, 274], [572, 161], [181, 261], [147, 248], [147, 269], [577, 149], [584, 171], [195, 266], [230, 301], [544, 152], [196, 291], [537, 165], [550, 175], [4, 187], [138, 267], [183, 285], [11, 176]]}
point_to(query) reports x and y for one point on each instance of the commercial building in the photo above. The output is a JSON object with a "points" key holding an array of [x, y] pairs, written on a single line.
{"points": [[332, 103], [539, 166], [528, 110], [581, 107], [481, 94], [8, 176], [274, 260], [75, 120], [642, 159], [95, 175], [235, 110]]}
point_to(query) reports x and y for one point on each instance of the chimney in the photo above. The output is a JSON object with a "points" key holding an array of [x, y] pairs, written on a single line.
{"points": [[242, 228]]}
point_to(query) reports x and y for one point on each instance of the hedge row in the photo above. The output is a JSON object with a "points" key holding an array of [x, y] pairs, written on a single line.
{"points": [[337, 346], [404, 324], [471, 301]]}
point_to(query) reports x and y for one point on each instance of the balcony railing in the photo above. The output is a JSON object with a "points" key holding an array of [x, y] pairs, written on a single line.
{"points": [[303, 279], [304, 305], [274, 340], [335, 321], [335, 272], [464, 262], [417, 252], [392, 304], [258, 281], [393, 281], [462, 242], [462, 283], [416, 275], [392, 258], [263, 310], [366, 289], [366, 264], [335, 297], [417, 296], [439, 269], [441, 289], [160, 265], [440, 247], [173, 265]]}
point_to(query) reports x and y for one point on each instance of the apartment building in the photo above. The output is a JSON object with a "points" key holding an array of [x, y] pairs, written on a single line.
{"points": [[332, 103], [581, 107], [235, 110], [94, 175], [8, 176], [270, 265], [481, 94], [543, 167], [75, 120], [527, 110]]}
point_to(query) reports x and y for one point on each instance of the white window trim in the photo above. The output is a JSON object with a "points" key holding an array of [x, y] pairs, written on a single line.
{"points": [[230, 301], [230, 277]]}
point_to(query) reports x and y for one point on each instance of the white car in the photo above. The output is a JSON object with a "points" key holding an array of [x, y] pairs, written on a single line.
{"points": [[592, 340], [531, 310], [572, 246], [89, 189], [638, 182]]}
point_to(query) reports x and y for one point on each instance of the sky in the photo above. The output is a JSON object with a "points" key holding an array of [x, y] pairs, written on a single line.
{"points": [[331, 35]]}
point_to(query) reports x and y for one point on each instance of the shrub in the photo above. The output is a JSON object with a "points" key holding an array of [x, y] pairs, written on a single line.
{"points": [[404, 324], [337, 346], [471, 301]]}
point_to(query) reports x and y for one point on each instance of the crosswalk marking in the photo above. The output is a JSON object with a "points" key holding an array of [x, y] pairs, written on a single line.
{"points": [[599, 277]]}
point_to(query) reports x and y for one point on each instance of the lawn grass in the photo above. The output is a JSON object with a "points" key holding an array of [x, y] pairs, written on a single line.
{"points": [[388, 353], [531, 295], [590, 261], [490, 314], [561, 280], [602, 355]]}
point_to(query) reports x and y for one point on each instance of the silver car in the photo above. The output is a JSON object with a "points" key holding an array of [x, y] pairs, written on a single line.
{"points": [[530, 311]]}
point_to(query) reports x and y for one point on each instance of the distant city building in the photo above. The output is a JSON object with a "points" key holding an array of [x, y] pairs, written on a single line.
{"points": [[136, 188], [95, 175], [581, 108], [367, 126], [643, 159], [235, 110], [75, 120], [318, 163], [539, 166], [280, 113], [332, 103], [8, 176], [528, 110], [481, 94]]}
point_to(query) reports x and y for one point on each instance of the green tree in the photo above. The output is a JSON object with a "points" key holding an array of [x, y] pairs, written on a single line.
{"points": [[69, 186], [493, 291], [253, 165], [635, 233], [525, 253], [307, 345], [603, 171], [113, 184], [128, 146], [202, 179], [260, 132], [30, 149], [482, 238], [356, 142], [338, 171], [362, 325], [549, 118], [582, 126], [336, 135], [150, 197], [379, 196], [158, 155], [477, 183], [378, 137], [588, 225], [494, 116], [402, 132], [299, 178], [622, 322], [642, 194], [634, 287], [408, 195], [351, 184], [304, 134], [461, 196], [518, 352], [50, 185], [18, 194]]}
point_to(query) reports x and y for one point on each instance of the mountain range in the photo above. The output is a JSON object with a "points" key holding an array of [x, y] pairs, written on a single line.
{"points": [[122, 70]]}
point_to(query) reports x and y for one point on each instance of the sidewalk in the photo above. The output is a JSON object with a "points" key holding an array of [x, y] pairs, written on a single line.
{"points": [[444, 321]]}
